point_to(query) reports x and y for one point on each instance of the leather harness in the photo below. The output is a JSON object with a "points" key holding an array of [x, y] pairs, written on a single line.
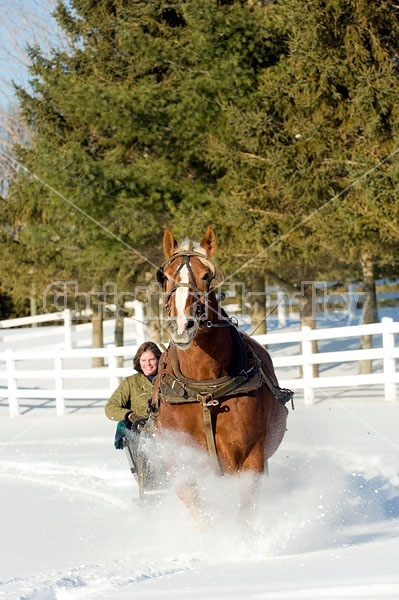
{"points": [[173, 388]]}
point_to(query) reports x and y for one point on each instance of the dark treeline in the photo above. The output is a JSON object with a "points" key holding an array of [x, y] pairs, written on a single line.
{"points": [[276, 122]]}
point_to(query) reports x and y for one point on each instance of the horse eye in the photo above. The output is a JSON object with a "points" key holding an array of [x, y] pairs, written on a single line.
{"points": [[206, 277]]}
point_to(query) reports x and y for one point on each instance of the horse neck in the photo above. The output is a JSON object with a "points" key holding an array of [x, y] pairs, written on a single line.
{"points": [[211, 353]]}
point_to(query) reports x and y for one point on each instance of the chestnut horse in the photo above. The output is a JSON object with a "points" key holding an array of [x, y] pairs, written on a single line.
{"points": [[216, 385]]}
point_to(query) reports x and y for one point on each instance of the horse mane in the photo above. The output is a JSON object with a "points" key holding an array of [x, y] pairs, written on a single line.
{"points": [[188, 245]]}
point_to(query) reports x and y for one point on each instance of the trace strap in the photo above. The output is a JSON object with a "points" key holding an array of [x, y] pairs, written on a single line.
{"points": [[207, 402]]}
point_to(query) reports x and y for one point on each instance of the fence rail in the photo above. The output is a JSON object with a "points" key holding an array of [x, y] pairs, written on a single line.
{"points": [[55, 317], [26, 374]]}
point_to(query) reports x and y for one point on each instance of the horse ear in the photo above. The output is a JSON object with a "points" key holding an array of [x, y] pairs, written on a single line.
{"points": [[169, 243], [208, 242]]}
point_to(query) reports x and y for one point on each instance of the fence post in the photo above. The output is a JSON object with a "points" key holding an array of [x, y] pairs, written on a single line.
{"points": [[12, 385], [307, 371], [282, 308], [67, 329], [112, 367], [388, 344], [59, 385], [139, 322]]}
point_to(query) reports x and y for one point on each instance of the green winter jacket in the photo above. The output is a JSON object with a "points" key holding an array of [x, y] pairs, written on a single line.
{"points": [[131, 396]]}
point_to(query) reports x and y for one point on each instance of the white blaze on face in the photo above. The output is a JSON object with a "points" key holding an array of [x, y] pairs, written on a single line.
{"points": [[181, 296]]}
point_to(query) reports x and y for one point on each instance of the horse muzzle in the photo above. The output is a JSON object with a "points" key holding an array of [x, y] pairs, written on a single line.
{"points": [[182, 337]]}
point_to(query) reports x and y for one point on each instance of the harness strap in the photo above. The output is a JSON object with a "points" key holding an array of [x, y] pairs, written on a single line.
{"points": [[217, 387], [253, 374], [283, 394], [207, 402]]}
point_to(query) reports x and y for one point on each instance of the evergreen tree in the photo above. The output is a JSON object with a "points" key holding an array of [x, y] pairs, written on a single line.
{"points": [[319, 119], [121, 127], [105, 166], [253, 116]]}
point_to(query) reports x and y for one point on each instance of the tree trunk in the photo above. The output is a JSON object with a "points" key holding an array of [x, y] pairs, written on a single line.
{"points": [[153, 325], [33, 303], [257, 310], [370, 313], [97, 334], [118, 333]]}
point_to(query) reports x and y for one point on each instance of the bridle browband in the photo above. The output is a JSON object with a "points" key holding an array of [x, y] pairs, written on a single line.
{"points": [[185, 255]]}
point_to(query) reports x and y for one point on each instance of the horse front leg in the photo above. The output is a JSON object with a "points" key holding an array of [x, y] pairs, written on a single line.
{"points": [[249, 484], [190, 495]]}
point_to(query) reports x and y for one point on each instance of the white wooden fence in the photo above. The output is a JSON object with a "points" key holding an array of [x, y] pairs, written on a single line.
{"points": [[20, 369], [54, 317], [66, 316], [53, 367], [387, 354]]}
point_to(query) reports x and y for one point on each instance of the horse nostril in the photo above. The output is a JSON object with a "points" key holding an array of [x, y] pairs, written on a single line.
{"points": [[171, 325], [190, 323]]}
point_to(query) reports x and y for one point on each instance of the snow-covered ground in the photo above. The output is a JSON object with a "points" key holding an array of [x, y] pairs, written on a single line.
{"points": [[327, 525]]}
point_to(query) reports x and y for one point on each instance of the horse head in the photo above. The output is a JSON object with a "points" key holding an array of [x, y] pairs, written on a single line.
{"points": [[186, 277]]}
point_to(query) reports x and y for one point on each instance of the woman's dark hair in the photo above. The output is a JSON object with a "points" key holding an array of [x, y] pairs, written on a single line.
{"points": [[143, 348]]}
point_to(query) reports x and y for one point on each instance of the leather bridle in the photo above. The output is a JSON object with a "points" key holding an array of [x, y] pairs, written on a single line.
{"points": [[186, 256]]}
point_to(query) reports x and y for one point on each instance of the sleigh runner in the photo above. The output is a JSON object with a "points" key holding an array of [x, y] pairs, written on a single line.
{"points": [[145, 464]]}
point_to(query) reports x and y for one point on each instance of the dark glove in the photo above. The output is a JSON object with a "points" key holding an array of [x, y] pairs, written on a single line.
{"points": [[122, 430], [139, 424], [131, 417]]}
